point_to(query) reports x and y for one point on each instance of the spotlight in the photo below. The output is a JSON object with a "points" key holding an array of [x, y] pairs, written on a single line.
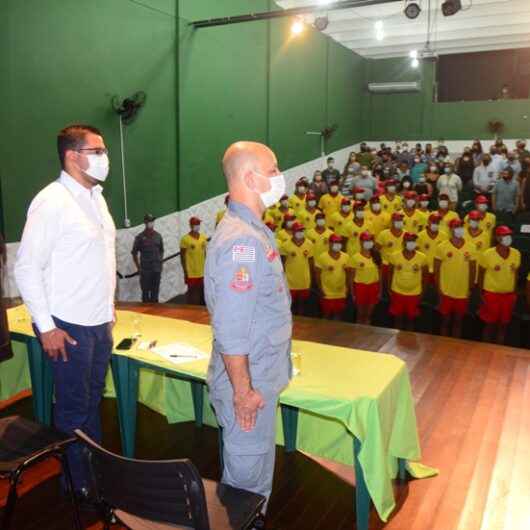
{"points": [[413, 54], [451, 7], [412, 10], [415, 63], [297, 27]]}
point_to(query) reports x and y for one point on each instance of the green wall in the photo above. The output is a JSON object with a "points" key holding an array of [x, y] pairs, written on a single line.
{"points": [[416, 117]]}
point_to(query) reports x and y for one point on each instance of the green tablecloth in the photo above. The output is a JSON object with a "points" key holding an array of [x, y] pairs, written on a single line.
{"points": [[341, 392]]}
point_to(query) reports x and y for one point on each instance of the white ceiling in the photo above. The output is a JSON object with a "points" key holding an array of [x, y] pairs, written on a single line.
{"points": [[481, 25]]}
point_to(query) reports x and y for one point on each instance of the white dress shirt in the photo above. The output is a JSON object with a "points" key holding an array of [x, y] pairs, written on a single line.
{"points": [[66, 262]]}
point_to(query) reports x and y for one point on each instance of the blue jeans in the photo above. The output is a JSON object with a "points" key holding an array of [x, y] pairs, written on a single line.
{"points": [[79, 385]]}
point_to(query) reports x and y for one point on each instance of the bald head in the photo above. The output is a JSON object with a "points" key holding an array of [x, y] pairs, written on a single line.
{"points": [[242, 157]]}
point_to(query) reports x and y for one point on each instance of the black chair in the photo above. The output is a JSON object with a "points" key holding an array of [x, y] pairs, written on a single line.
{"points": [[24, 443], [165, 491]]}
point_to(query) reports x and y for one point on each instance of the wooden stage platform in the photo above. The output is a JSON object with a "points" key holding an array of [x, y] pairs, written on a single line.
{"points": [[473, 411]]}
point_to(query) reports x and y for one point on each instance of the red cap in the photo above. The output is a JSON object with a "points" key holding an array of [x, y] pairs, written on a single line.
{"points": [[410, 195], [284, 196], [390, 182], [409, 236], [375, 198], [481, 199], [289, 217], [359, 205], [435, 217], [270, 225], [503, 230], [366, 236], [423, 197], [310, 196], [334, 238], [455, 223], [195, 221], [345, 200], [475, 215], [443, 196], [320, 215], [397, 216], [297, 227], [358, 190]]}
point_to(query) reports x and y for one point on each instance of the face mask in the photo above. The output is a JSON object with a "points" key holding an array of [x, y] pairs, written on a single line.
{"points": [[359, 196], [391, 189], [410, 204], [459, 233], [299, 235], [416, 160], [196, 228], [301, 189], [482, 207], [406, 184], [376, 207], [359, 214], [421, 180], [350, 170], [284, 203], [311, 204], [473, 224], [346, 209], [321, 222], [434, 227], [447, 170], [411, 245], [368, 245], [289, 224], [424, 204], [336, 247], [334, 189], [150, 225], [365, 173], [98, 167], [268, 198], [443, 205], [506, 241], [398, 225], [433, 169]]}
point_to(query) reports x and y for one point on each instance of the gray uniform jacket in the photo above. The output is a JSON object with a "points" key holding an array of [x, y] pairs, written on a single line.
{"points": [[249, 302]]}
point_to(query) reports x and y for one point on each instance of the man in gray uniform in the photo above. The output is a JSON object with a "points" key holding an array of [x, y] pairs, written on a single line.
{"points": [[150, 245], [249, 304]]}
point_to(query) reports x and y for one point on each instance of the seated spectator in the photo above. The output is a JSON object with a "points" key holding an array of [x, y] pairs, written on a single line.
{"points": [[418, 169], [347, 181], [465, 167], [450, 184], [331, 173], [484, 177], [505, 197], [353, 164]]}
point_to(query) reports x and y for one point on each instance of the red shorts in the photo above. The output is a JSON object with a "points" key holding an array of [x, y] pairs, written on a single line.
{"points": [[366, 294], [404, 304], [195, 282], [452, 306], [497, 308], [300, 294], [334, 306]]}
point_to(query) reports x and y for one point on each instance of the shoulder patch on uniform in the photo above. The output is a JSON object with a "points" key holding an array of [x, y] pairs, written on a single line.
{"points": [[243, 254], [241, 281]]}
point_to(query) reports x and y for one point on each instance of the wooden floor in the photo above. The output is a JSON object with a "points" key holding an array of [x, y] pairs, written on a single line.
{"points": [[473, 411]]}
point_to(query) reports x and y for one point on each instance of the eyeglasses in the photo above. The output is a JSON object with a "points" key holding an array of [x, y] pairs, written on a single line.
{"points": [[95, 150]]}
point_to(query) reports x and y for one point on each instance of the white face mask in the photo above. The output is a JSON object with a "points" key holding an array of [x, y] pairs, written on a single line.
{"points": [[311, 204], [334, 189], [482, 207], [321, 222], [421, 180], [98, 166], [301, 189], [150, 225], [433, 169], [196, 228], [424, 204], [289, 224], [473, 224], [391, 189], [346, 209], [299, 235], [506, 241], [359, 214], [359, 196], [434, 227], [368, 245], [443, 205], [458, 232], [365, 173], [398, 225], [336, 247], [285, 203], [411, 245], [406, 184], [277, 189], [411, 203], [376, 207]]}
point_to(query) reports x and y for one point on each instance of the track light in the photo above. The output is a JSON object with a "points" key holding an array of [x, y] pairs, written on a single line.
{"points": [[451, 7], [412, 10]]}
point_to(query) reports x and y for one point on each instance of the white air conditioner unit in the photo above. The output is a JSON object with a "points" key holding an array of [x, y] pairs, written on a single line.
{"points": [[394, 88]]}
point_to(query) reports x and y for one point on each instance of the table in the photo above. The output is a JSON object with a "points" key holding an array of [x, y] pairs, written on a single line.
{"points": [[366, 394]]}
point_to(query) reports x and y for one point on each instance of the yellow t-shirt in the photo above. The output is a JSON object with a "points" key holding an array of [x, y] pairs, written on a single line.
{"points": [[282, 235], [447, 218], [307, 218], [487, 223], [379, 222], [354, 231], [389, 243], [413, 223], [500, 273], [195, 254], [454, 268], [339, 223], [297, 268], [366, 271], [278, 214], [427, 245], [296, 203], [333, 274], [390, 206], [424, 219], [269, 218], [329, 205], [319, 240], [482, 240], [407, 278]]}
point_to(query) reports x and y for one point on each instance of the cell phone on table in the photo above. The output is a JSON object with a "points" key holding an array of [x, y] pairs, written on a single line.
{"points": [[125, 344]]}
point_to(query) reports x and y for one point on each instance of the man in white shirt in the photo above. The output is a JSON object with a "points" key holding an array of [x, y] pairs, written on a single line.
{"points": [[66, 273]]}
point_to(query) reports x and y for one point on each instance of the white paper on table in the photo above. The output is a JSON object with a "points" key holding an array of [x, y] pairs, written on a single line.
{"points": [[185, 352]]}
